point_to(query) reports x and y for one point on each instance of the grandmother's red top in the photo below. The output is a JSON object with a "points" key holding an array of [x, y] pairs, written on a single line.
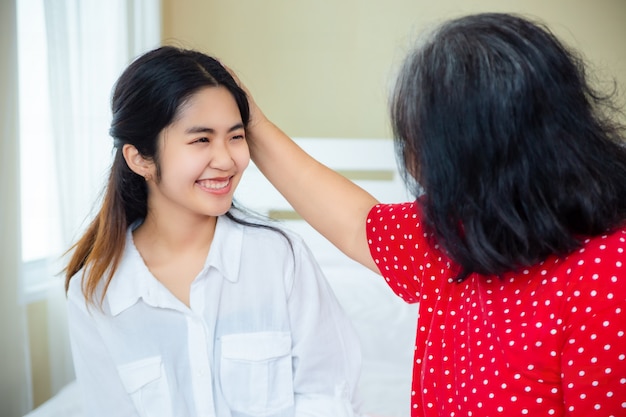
{"points": [[548, 340]]}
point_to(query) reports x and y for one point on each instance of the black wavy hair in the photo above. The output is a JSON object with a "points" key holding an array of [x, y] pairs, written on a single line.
{"points": [[517, 156]]}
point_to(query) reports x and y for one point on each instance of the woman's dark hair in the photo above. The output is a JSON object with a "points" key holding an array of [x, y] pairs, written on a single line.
{"points": [[146, 99], [516, 154]]}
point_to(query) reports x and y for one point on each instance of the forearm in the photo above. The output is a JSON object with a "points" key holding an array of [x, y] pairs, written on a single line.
{"points": [[332, 204]]}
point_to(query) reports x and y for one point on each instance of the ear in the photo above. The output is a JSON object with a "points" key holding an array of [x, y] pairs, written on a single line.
{"points": [[136, 162]]}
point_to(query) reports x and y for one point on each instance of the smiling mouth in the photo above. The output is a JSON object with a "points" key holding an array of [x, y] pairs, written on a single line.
{"points": [[214, 184]]}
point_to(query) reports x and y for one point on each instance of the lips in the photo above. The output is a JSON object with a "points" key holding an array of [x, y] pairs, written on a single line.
{"points": [[215, 185]]}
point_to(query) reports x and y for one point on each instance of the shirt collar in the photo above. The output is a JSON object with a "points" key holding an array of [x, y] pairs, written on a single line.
{"points": [[225, 254], [133, 281]]}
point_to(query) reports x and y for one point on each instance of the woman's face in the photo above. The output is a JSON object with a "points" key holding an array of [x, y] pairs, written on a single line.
{"points": [[202, 156]]}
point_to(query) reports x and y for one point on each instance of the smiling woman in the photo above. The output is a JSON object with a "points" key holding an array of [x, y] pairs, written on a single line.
{"points": [[201, 157], [181, 304]]}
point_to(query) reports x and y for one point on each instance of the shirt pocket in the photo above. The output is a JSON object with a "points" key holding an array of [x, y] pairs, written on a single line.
{"points": [[256, 372], [145, 382]]}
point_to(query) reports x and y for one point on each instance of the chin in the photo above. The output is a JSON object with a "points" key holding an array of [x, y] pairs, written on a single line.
{"points": [[221, 213], [222, 210]]}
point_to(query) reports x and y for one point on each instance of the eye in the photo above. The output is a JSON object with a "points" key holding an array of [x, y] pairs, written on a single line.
{"points": [[201, 140], [238, 137]]}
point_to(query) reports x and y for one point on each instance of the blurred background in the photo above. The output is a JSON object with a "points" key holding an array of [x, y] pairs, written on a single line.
{"points": [[323, 68], [318, 68]]}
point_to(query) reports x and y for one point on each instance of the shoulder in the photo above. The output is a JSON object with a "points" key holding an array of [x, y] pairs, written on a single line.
{"points": [[75, 287], [268, 246], [263, 233], [130, 263], [76, 299], [603, 255], [405, 253], [393, 214], [596, 276], [398, 230], [610, 247], [392, 226]]}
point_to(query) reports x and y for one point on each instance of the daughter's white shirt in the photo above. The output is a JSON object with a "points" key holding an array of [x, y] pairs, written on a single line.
{"points": [[264, 336]]}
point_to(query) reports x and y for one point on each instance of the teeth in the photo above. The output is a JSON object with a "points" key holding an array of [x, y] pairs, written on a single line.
{"points": [[214, 185]]}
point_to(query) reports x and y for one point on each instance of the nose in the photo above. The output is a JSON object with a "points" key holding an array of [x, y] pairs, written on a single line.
{"points": [[221, 157]]}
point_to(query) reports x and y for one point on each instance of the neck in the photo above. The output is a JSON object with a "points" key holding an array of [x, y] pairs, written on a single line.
{"points": [[181, 235]]}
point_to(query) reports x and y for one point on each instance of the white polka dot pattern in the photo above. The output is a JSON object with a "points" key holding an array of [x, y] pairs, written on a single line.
{"points": [[546, 341]]}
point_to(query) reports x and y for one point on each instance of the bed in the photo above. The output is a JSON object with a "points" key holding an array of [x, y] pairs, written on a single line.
{"points": [[385, 324]]}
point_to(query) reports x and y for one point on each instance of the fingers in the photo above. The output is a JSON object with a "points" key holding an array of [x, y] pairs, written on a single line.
{"points": [[256, 115]]}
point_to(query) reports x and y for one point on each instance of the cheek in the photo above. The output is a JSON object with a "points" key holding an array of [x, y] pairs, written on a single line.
{"points": [[243, 164], [242, 157], [177, 168]]}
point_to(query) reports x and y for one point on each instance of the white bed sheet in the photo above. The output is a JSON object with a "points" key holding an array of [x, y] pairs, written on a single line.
{"points": [[386, 327], [65, 403]]}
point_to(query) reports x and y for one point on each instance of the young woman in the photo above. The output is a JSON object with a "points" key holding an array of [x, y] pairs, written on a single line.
{"points": [[515, 246], [180, 304]]}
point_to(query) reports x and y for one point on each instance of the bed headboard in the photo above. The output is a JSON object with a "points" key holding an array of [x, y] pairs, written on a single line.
{"points": [[368, 162]]}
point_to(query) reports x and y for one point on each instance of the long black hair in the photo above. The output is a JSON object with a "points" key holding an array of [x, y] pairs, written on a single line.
{"points": [[517, 155]]}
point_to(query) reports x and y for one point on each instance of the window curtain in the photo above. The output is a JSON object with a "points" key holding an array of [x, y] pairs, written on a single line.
{"points": [[90, 42], [15, 371]]}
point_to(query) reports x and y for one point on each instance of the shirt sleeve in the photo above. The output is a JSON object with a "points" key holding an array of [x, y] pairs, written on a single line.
{"points": [[404, 251], [326, 351], [103, 394]]}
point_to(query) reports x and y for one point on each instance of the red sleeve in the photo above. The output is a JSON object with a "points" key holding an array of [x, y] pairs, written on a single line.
{"points": [[403, 250]]}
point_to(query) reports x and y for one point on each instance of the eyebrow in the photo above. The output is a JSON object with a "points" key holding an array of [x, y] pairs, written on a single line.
{"points": [[202, 129]]}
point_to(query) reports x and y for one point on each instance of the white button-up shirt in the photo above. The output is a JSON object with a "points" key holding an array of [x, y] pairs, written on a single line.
{"points": [[264, 336]]}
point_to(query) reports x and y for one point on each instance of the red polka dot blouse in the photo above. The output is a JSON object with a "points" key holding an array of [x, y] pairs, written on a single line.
{"points": [[545, 341]]}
